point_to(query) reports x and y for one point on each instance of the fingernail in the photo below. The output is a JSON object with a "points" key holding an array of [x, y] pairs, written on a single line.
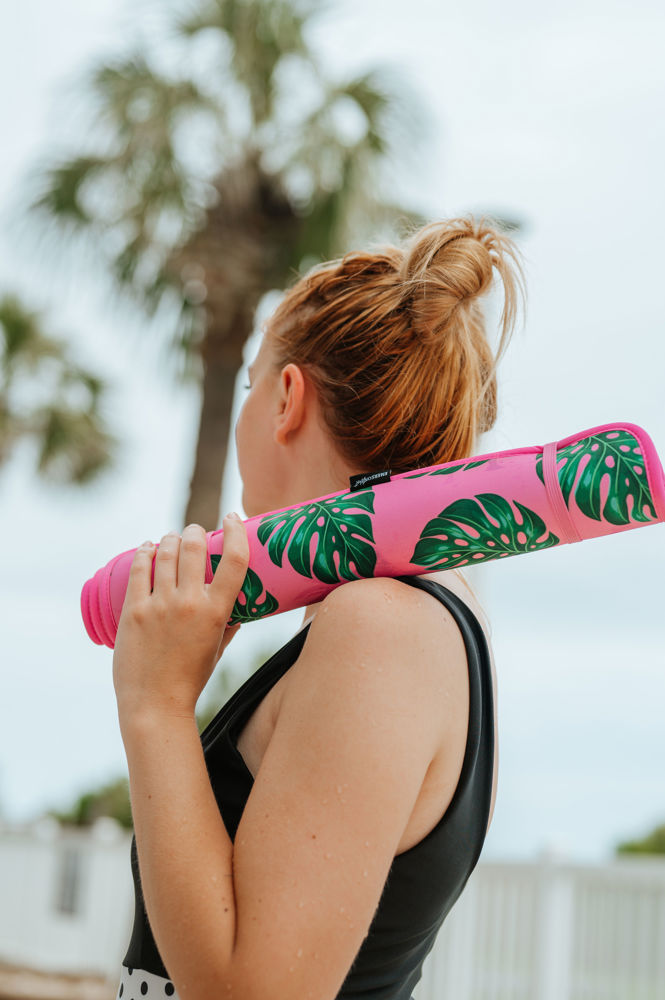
{"points": [[235, 516], [145, 545]]}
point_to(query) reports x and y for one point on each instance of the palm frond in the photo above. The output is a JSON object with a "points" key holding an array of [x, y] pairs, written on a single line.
{"points": [[74, 449], [346, 179], [60, 197], [74, 443], [24, 344], [260, 34], [130, 204], [141, 105]]}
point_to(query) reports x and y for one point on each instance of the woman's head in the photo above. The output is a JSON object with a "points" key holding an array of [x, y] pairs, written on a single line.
{"points": [[391, 346]]}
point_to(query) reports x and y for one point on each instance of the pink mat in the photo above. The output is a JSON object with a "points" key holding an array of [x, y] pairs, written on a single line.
{"points": [[596, 482]]}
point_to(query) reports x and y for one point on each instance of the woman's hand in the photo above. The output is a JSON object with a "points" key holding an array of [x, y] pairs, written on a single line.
{"points": [[169, 641]]}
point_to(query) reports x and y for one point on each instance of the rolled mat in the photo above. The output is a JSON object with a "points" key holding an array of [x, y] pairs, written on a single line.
{"points": [[596, 482]]}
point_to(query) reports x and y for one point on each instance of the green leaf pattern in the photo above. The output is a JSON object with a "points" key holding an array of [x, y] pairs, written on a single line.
{"points": [[452, 468], [340, 528], [494, 532], [333, 540], [252, 587], [616, 454]]}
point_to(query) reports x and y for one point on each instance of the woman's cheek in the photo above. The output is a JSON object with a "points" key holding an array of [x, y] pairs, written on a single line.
{"points": [[240, 430], [246, 455]]}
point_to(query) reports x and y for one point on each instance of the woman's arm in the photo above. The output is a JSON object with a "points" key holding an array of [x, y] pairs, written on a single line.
{"points": [[358, 726], [185, 854]]}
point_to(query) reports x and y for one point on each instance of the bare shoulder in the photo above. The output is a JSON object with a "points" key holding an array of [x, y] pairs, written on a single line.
{"points": [[389, 644], [413, 616], [376, 591]]}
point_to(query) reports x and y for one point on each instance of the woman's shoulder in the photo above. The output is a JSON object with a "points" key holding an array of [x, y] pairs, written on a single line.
{"points": [[380, 646], [381, 590], [383, 623], [423, 635], [373, 598], [377, 602]]}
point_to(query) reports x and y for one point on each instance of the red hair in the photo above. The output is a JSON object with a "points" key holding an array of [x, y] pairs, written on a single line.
{"points": [[394, 342]]}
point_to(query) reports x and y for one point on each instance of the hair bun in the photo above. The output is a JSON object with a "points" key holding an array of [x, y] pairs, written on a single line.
{"points": [[395, 391], [449, 263]]}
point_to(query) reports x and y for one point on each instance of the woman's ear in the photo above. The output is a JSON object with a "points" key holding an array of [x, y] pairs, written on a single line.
{"points": [[292, 402]]}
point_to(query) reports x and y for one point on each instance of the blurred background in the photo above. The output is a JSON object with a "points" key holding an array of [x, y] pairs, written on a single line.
{"points": [[149, 146]]}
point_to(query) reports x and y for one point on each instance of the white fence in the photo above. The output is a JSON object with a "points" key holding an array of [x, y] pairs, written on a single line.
{"points": [[553, 931], [66, 897], [546, 930]]}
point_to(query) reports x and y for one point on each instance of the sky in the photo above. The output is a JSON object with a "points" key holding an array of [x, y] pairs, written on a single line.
{"points": [[551, 114]]}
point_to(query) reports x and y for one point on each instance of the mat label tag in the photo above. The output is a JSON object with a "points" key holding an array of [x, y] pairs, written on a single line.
{"points": [[369, 479]]}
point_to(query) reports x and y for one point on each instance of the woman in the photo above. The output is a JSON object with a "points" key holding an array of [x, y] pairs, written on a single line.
{"points": [[310, 842]]}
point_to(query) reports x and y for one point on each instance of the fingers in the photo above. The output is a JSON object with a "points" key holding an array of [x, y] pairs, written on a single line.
{"points": [[232, 567], [138, 584], [193, 557], [166, 562], [181, 563]]}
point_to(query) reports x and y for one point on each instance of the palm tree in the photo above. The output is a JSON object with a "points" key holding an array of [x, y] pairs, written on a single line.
{"points": [[74, 445], [294, 163]]}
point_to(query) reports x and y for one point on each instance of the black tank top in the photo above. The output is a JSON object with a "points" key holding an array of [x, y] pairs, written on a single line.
{"points": [[423, 882]]}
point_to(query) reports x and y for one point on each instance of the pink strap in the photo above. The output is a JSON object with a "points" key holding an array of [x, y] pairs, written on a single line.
{"points": [[567, 529]]}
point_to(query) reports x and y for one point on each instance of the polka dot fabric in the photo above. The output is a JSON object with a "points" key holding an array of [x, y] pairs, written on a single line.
{"points": [[137, 983]]}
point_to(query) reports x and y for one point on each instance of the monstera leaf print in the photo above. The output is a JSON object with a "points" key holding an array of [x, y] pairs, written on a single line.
{"points": [[613, 454], [444, 542], [453, 468], [252, 588], [340, 529]]}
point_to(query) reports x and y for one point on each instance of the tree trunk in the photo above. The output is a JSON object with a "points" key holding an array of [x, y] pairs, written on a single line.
{"points": [[245, 250], [205, 485], [222, 357]]}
